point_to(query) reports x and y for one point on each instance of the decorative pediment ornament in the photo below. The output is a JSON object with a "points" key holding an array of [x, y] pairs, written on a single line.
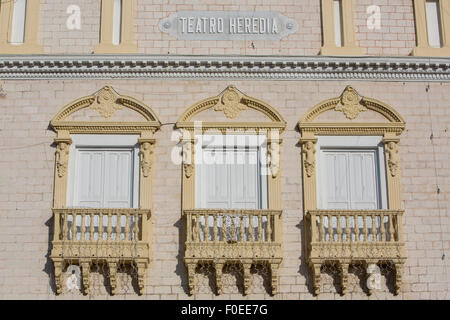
{"points": [[350, 103], [230, 103], [106, 102]]}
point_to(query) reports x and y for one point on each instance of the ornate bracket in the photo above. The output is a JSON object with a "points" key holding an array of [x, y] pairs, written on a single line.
{"points": [[146, 155], [273, 155], [392, 157], [62, 155], [142, 272], [113, 276], [188, 157], [350, 103], [309, 157], [86, 268], [231, 103]]}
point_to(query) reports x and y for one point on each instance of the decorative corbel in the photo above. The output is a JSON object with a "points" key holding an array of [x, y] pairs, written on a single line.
{"points": [[62, 154], [309, 155], [273, 155], [58, 265], [316, 277], [191, 276], [274, 277], [146, 155], [392, 157], [188, 157], [112, 265], [344, 277], [398, 278], [246, 267], [86, 268], [219, 268], [142, 268]]}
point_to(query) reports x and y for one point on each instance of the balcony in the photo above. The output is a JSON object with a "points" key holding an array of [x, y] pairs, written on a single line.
{"points": [[83, 236], [354, 236], [245, 237]]}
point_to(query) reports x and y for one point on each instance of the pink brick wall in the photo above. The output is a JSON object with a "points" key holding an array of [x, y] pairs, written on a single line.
{"points": [[396, 36], [27, 168]]}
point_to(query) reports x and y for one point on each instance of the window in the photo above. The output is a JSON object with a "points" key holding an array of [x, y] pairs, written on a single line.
{"points": [[351, 173], [432, 19], [117, 27], [337, 22], [230, 173], [19, 26], [338, 28], [433, 23]]}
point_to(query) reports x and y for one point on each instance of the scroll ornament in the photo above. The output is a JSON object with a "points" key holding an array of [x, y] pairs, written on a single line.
{"points": [[62, 158], [350, 103], [309, 161], [392, 157], [106, 102], [146, 154], [230, 103]]}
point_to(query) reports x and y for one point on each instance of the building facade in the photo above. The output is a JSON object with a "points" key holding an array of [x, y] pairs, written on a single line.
{"points": [[172, 149]]}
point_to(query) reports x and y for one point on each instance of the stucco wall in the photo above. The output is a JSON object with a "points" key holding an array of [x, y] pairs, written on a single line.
{"points": [[27, 169]]}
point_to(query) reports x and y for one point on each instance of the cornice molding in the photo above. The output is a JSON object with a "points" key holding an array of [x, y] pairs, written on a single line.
{"points": [[405, 69]]}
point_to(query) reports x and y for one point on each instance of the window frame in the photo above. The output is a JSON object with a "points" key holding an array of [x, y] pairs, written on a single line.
{"points": [[30, 43], [99, 142], [353, 143], [423, 48]]}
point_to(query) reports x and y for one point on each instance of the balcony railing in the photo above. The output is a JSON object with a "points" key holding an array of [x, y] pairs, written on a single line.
{"points": [[247, 237], [350, 236], [103, 235]]}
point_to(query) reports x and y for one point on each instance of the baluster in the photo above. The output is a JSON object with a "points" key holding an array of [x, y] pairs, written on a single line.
{"points": [[374, 228], [233, 227], [215, 227], [197, 227], [250, 227], [109, 229], [127, 226], [322, 228], [74, 224], [224, 228], [65, 226], [330, 228], [189, 225], [339, 229], [137, 217], [347, 228], [383, 236], [83, 227], [391, 228], [91, 229], [366, 234], [241, 228], [269, 228], [100, 226], [259, 227], [356, 228], [206, 228], [118, 225]]}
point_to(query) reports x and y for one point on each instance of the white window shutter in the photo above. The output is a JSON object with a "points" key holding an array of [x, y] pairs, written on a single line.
{"points": [[118, 179], [89, 191], [244, 180], [216, 181], [336, 180], [363, 181]]}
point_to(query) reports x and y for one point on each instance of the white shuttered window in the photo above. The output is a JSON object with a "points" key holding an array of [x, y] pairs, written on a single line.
{"points": [[433, 23], [18, 22], [104, 178]]}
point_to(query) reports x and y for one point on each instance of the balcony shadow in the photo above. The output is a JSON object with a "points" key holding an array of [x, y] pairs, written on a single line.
{"points": [[180, 269], [48, 266], [236, 271]]}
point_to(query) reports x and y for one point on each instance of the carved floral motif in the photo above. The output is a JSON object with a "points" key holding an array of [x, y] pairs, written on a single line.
{"points": [[230, 103], [106, 102], [350, 103]]}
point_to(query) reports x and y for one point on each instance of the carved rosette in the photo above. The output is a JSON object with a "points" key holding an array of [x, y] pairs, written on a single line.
{"points": [[309, 157], [231, 103], [62, 156], [146, 155], [350, 103], [106, 102]]}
